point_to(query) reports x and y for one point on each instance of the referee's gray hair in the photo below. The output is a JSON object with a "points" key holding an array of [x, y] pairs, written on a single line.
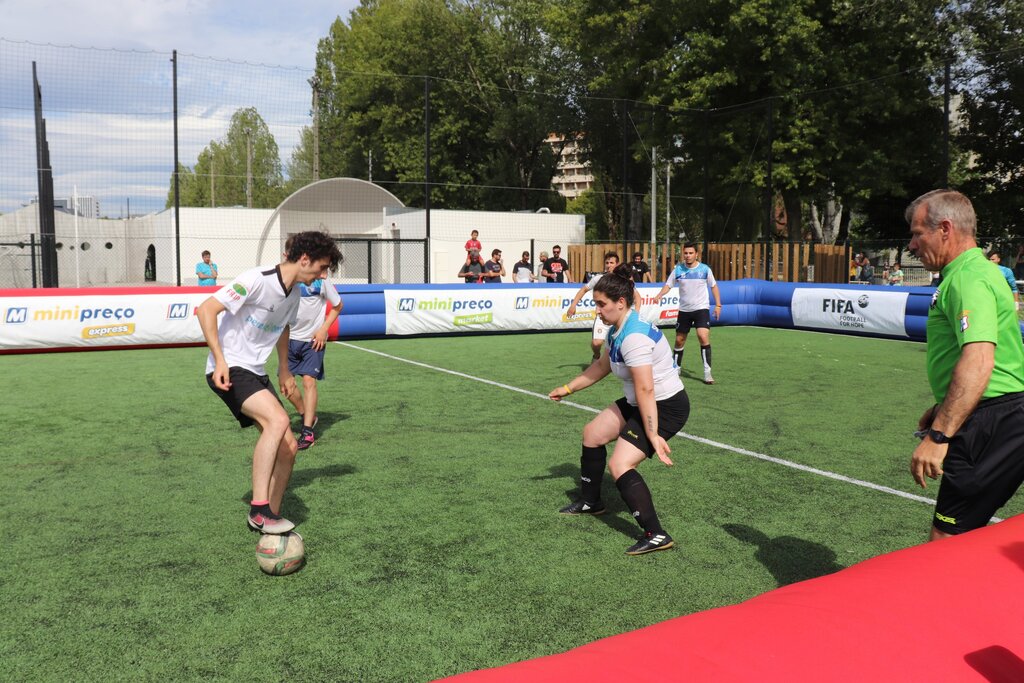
{"points": [[945, 204]]}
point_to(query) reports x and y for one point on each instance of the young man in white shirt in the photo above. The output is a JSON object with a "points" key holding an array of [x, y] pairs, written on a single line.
{"points": [[258, 307], [694, 279], [306, 346], [611, 262]]}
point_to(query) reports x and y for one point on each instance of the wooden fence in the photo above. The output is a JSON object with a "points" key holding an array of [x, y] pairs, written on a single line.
{"points": [[779, 261]]}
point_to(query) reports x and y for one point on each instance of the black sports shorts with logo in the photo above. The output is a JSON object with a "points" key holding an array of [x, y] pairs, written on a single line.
{"points": [[244, 383], [688, 319], [672, 414], [984, 465]]}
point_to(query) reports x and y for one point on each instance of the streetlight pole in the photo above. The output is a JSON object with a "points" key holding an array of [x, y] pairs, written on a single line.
{"points": [[314, 83], [248, 166]]}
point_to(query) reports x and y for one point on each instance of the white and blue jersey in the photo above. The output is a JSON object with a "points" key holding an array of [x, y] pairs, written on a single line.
{"points": [[313, 308], [638, 343], [693, 286]]}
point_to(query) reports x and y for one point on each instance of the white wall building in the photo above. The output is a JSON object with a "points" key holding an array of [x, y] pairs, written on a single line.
{"points": [[93, 252]]}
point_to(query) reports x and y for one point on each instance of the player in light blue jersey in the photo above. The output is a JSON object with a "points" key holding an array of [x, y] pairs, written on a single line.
{"points": [[694, 279], [995, 258], [655, 407]]}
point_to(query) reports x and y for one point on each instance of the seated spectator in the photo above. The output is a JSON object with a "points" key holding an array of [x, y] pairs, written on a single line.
{"points": [[895, 278]]}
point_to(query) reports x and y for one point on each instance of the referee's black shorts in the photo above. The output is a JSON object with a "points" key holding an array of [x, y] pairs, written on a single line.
{"points": [[688, 319], [984, 465], [672, 414]]}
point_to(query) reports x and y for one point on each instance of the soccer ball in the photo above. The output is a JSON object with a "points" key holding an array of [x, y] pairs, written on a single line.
{"points": [[280, 554]]}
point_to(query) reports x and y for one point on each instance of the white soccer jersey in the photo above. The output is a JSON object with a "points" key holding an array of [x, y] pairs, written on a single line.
{"points": [[693, 286], [258, 308], [593, 281], [313, 302], [639, 343]]}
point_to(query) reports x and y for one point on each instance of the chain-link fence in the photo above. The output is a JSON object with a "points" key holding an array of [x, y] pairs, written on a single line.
{"points": [[428, 158]]}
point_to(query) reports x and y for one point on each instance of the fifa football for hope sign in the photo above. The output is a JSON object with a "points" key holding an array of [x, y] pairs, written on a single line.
{"points": [[850, 310]]}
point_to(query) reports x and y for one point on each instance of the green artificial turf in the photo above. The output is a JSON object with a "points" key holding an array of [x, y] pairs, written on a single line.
{"points": [[428, 506]]}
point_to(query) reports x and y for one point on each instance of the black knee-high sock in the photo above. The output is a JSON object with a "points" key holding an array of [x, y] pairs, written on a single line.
{"points": [[705, 355], [592, 464], [634, 491], [679, 355]]}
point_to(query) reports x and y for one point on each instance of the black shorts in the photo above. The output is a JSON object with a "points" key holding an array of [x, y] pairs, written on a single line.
{"points": [[244, 383], [984, 465], [688, 319], [672, 414]]}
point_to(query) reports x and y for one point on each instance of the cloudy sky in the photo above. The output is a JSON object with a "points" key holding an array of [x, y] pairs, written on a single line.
{"points": [[107, 99]]}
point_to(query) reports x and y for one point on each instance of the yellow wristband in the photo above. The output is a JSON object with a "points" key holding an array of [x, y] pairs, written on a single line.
{"points": [[567, 389]]}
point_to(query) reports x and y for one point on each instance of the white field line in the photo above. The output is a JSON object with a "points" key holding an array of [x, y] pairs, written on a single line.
{"points": [[698, 439]]}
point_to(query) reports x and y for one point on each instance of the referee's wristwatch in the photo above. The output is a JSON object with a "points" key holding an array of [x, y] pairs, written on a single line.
{"points": [[938, 437]]}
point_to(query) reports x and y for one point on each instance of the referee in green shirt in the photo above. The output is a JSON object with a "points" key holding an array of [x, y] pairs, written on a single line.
{"points": [[974, 434]]}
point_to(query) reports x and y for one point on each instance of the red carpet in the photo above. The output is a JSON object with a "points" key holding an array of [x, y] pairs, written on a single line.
{"points": [[946, 611]]}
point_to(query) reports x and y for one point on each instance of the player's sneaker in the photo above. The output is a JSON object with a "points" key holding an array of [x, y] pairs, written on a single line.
{"points": [[650, 542], [708, 379], [269, 524], [581, 507], [306, 439]]}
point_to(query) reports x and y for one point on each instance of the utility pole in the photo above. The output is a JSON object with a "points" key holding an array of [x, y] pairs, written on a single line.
{"points": [[654, 194], [314, 83], [945, 130], [668, 197], [213, 189], [248, 166]]}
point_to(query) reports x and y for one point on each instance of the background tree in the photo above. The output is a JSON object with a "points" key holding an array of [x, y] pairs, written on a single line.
{"points": [[993, 116], [220, 175]]}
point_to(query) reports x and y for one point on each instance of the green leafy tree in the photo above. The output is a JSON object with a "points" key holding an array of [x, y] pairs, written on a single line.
{"points": [[993, 116], [220, 176], [485, 62]]}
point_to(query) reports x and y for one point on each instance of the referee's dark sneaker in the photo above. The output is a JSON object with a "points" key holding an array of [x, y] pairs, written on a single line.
{"points": [[650, 542], [581, 507], [266, 523]]}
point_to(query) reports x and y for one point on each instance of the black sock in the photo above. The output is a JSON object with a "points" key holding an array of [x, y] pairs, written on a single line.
{"points": [[263, 509], [634, 491], [705, 355], [679, 355], [592, 464]]}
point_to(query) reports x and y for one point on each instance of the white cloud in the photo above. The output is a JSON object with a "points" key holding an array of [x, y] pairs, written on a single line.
{"points": [[108, 111]]}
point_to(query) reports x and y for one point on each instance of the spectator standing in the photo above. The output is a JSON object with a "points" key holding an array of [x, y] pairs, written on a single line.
{"points": [[639, 269], [473, 243], [522, 270], [472, 271], [973, 435], [206, 271], [556, 269], [494, 269]]}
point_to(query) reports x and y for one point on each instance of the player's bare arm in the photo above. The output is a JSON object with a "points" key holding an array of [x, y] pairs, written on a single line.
{"points": [[320, 338], [571, 311], [718, 302], [285, 378], [207, 313], [597, 371], [643, 381], [970, 377]]}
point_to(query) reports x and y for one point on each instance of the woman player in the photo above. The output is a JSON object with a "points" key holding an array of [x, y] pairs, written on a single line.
{"points": [[654, 408]]}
